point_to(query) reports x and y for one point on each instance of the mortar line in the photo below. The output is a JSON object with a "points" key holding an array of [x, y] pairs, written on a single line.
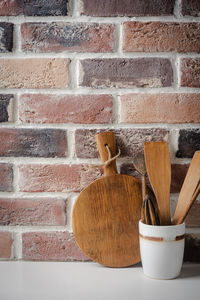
{"points": [[68, 54], [101, 91], [90, 19]]}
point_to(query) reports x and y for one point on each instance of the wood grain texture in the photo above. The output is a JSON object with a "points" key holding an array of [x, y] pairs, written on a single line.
{"points": [[105, 220], [190, 186], [159, 171], [106, 214]]}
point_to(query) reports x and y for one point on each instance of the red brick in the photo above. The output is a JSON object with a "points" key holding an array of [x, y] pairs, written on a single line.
{"points": [[6, 177], [161, 37], [6, 108], [121, 72], [6, 37], [33, 8], [177, 176], [56, 178], [51, 246], [85, 109], [34, 73], [130, 141], [33, 142], [191, 8], [115, 8], [76, 37], [5, 244], [167, 108], [29, 211], [190, 72]]}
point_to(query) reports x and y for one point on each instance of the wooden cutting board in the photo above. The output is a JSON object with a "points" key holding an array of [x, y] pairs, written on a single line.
{"points": [[106, 213]]}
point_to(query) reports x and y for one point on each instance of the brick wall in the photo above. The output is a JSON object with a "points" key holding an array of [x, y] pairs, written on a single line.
{"points": [[69, 69]]}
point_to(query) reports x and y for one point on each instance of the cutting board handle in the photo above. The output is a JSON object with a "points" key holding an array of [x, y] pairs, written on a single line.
{"points": [[103, 139]]}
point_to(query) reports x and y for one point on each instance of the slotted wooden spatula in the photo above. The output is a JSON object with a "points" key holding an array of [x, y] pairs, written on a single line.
{"points": [[190, 186], [158, 166], [106, 213]]}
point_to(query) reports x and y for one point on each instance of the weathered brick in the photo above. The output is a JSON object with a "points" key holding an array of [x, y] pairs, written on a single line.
{"points": [[119, 72], [56, 178], [161, 37], [192, 248], [33, 142], [51, 246], [167, 108], [6, 177], [33, 8], [192, 219], [76, 37], [178, 174], [130, 141], [85, 109], [188, 142], [5, 244], [29, 211], [191, 8], [6, 37], [190, 72], [113, 8], [6, 108], [34, 72]]}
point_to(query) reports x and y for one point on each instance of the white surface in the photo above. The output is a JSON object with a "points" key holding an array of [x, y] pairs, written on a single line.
{"points": [[161, 259], [91, 281]]}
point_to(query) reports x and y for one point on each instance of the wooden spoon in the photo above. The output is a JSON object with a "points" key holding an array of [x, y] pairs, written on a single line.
{"points": [[159, 171], [189, 190]]}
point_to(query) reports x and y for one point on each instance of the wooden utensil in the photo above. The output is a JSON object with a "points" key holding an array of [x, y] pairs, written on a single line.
{"points": [[139, 164], [150, 212], [106, 214], [189, 190], [159, 171]]}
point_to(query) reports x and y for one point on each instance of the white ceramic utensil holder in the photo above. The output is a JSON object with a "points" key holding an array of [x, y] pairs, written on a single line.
{"points": [[161, 250]]}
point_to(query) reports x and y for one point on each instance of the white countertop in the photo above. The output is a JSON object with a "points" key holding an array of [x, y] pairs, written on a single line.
{"points": [[91, 281]]}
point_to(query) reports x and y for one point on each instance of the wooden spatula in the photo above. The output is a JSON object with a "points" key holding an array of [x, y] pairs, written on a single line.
{"points": [[106, 213], [187, 194], [158, 166]]}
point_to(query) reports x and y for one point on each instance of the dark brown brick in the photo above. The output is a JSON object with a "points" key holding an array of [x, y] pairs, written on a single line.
{"points": [[190, 72], [34, 8], [161, 37], [191, 8], [6, 177], [178, 174], [6, 108], [192, 220], [188, 143], [77, 37], [29, 211], [130, 141], [192, 248], [119, 72], [33, 142], [112, 8], [51, 246], [6, 37]]}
